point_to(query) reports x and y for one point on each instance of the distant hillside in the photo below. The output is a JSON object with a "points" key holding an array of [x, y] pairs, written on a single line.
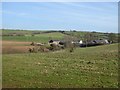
{"points": [[44, 36]]}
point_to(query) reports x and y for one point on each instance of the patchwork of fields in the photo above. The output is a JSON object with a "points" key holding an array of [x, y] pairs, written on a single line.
{"points": [[36, 38], [21, 44], [90, 67]]}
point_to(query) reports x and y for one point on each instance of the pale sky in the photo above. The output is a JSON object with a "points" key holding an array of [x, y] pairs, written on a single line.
{"points": [[84, 16]]}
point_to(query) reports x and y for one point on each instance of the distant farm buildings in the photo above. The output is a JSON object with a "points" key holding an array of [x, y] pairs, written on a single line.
{"points": [[54, 45], [80, 43], [95, 43], [56, 42]]}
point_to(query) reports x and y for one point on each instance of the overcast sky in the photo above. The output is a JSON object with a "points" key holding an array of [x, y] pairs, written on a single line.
{"points": [[84, 16]]}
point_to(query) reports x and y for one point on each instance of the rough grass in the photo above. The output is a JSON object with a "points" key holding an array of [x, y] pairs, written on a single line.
{"points": [[84, 68]]}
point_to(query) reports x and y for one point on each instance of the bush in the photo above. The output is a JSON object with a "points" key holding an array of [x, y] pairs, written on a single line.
{"points": [[54, 47], [32, 34], [33, 50], [37, 49]]}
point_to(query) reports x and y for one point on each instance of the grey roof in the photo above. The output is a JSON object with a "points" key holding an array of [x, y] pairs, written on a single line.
{"points": [[99, 41]]}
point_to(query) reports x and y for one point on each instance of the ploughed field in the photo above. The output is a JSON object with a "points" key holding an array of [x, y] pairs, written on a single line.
{"points": [[83, 68], [13, 47]]}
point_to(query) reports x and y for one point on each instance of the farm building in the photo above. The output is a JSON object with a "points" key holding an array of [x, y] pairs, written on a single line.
{"points": [[80, 43], [77, 43], [57, 42], [95, 43], [61, 42], [101, 41]]}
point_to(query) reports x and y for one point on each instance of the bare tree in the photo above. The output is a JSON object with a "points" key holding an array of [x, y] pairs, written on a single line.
{"points": [[68, 42], [112, 37], [89, 37]]}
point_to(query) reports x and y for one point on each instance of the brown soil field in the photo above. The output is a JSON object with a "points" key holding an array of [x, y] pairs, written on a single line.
{"points": [[12, 47], [14, 43]]}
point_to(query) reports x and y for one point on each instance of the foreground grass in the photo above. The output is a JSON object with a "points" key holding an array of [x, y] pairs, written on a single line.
{"points": [[85, 67]]}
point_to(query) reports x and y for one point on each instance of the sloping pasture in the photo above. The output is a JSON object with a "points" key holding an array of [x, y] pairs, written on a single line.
{"points": [[83, 68], [44, 37]]}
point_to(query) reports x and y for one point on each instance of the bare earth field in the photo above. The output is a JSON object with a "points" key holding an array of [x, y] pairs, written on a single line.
{"points": [[12, 43], [10, 47], [90, 67]]}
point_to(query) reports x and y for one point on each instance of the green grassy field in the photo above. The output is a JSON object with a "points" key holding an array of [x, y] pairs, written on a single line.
{"points": [[44, 36], [83, 68], [90, 67], [36, 38]]}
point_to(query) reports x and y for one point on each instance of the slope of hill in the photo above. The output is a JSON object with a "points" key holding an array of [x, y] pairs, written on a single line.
{"points": [[84, 68], [29, 37]]}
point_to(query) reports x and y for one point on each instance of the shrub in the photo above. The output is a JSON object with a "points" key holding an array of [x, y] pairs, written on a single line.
{"points": [[55, 47], [32, 34]]}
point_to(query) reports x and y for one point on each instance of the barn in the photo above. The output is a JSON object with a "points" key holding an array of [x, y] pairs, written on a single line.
{"points": [[95, 43]]}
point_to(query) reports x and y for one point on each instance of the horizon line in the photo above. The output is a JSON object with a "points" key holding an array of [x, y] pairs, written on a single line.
{"points": [[77, 30]]}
